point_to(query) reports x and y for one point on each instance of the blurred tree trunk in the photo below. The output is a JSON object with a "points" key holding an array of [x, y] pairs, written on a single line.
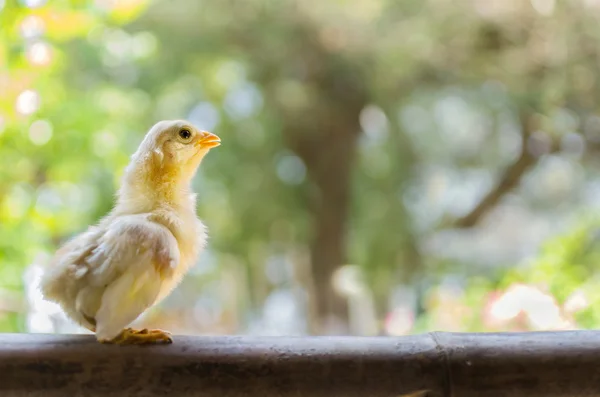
{"points": [[327, 146], [327, 254], [324, 135], [330, 164]]}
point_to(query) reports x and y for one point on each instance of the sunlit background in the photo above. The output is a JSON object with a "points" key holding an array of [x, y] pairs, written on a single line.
{"points": [[387, 167]]}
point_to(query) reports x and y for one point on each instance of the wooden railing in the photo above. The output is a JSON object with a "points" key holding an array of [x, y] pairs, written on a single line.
{"points": [[542, 364]]}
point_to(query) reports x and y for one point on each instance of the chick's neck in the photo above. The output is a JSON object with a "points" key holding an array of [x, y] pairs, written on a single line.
{"points": [[147, 187]]}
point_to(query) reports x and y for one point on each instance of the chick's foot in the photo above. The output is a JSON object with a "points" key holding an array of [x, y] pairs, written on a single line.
{"points": [[145, 336]]}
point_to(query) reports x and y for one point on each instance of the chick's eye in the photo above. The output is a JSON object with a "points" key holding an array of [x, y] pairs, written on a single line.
{"points": [[185, 134]]}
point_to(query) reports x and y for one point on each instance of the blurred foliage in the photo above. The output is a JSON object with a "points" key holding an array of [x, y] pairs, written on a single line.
{"points": [[568, 268], [562, 278], [353, 133], [56, 174]]}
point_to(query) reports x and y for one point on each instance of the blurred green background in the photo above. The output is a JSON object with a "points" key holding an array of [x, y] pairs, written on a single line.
{"points": [[387, 167]]}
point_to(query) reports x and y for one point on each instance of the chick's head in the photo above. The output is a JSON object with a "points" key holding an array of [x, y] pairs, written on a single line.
{"points": [[176, 148]]}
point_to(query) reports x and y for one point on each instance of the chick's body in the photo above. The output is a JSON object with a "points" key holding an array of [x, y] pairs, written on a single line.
{"points": [[107, 276]]}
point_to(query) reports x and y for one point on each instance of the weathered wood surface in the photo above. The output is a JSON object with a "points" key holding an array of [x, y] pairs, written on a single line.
{"points": [[438, 364]]}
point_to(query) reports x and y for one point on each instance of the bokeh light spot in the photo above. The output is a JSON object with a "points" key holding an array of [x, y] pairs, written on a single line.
{"points": [[32, 3], [374, 123], [204, 116], [39, 54], [40, 132], [28, 102], [291, 169], [243, 101], [32, 26]]}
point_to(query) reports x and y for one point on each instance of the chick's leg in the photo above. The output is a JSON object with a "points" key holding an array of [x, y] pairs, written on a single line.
{"points": [[130, 336], [122, 302]]}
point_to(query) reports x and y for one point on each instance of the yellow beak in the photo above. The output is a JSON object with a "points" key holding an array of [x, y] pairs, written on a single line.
{"points": [[208, 140]]}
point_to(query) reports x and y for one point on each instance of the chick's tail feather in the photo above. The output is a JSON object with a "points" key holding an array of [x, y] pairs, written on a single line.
{"points": [[52, 284]]}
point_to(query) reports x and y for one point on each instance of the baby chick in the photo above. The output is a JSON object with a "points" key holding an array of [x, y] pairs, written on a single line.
{"points": [[107, 276]]}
